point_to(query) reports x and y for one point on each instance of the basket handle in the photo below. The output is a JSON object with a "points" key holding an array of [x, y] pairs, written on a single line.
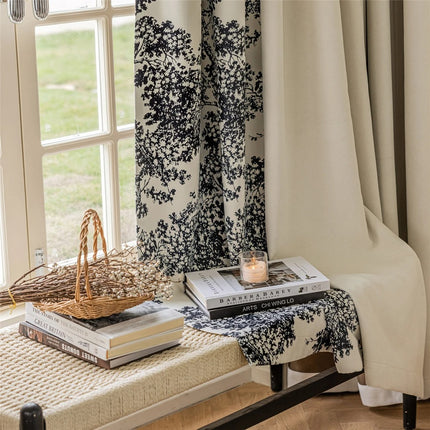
{"points": [[83, 250]]}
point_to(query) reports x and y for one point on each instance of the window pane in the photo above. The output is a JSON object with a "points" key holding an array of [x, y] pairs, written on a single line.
{"points": [[126, 189], [123, 45], [56, 6], [68, 91], [72, 184]]}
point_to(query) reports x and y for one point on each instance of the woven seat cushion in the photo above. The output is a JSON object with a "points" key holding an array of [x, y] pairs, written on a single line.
{"points": [[78, 395]]}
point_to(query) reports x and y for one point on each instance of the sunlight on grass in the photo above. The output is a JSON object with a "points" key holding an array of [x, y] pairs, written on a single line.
{"points": [[72, 184], [68, 95]]}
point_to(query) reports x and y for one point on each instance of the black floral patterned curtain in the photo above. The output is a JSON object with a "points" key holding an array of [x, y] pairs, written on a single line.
{"points": [[199, 132]]}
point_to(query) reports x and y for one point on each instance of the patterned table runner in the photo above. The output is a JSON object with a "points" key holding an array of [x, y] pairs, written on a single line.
{"points": [[286, 334]]}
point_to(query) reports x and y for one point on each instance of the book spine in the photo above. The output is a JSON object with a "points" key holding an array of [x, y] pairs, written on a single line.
{"points": [[264, 305], [50, 327], [58, 323], [271, 293], [44, 338]]}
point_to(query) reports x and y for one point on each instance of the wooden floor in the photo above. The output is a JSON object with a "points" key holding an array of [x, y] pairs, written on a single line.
{"points": [[325, 412]]}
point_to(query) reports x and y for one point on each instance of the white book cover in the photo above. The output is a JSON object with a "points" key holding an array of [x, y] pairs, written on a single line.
{"points": [[287, 277], [144, 320]]}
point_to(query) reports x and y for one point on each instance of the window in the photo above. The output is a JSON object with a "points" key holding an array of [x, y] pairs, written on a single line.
{"points": [[73, 77]]}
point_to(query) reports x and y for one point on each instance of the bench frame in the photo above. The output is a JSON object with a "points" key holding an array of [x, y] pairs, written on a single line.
{"points": [[283, 399], [292, 396]]}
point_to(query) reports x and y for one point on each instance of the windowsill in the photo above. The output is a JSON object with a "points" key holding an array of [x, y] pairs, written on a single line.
{"points": [[10, 316]]}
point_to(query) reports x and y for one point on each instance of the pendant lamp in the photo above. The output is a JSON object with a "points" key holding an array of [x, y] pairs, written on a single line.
{"points": [[16, 9]]}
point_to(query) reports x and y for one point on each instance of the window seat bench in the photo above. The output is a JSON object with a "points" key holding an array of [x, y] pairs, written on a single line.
{"points": [[76, 395]]}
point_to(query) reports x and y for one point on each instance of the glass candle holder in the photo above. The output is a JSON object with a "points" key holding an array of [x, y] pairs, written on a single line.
{"points": [[253, 267]]}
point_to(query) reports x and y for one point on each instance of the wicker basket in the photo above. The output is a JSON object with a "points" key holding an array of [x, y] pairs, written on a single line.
{"points": [[91, 306]]}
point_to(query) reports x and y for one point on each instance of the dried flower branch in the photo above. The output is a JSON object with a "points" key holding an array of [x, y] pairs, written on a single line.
{"points": [[99, 288], [118, 275]]}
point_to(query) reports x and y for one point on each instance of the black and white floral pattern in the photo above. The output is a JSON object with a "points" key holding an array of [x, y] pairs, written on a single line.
{"points": [[199, 133], [286, 334], [200, 169]]}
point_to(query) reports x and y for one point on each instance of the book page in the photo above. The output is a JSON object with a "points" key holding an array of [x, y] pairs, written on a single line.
{"points": [[145, 309]]}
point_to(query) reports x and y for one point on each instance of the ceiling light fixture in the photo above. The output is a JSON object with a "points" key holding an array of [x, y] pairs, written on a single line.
{"points": [[16, 9]]}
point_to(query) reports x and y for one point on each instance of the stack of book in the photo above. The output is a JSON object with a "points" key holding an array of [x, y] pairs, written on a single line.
{"points": [[108, 342], [221, 292]]}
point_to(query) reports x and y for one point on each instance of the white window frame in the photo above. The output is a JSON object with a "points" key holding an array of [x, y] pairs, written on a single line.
{"points": [[107, 138], [15, 251]]}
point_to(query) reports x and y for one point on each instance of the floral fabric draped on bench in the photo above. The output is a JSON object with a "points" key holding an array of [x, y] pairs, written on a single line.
{"points": [[286, 334]]}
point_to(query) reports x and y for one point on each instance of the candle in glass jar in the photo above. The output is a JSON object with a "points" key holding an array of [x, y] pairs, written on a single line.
{"points": [[255, 271]]}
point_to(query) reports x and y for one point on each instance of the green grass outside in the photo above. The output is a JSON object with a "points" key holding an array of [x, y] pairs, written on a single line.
{"points": [[69, 105], [68, 94]]}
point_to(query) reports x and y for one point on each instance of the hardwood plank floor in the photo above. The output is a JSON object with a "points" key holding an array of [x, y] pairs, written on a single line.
{"points": [[325, 412]]}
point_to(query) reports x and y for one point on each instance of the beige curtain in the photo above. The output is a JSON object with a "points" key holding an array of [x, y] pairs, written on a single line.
{"points": [[417, 148], [335, 178]]}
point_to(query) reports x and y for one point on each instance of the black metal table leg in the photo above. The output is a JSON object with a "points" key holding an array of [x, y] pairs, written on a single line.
{"points": [[276, 377], [409, 411]]}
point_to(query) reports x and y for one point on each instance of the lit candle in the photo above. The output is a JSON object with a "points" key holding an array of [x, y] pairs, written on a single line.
{"points": [[255, 271]]}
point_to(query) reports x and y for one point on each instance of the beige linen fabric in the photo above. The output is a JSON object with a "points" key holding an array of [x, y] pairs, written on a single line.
{"points": [[330, 172], [417, 148]]}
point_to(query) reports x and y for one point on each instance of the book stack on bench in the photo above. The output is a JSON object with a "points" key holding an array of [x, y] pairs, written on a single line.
{"points": [[111, 341], [222, 293]]}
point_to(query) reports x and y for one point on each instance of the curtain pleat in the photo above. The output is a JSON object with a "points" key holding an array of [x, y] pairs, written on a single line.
{"points": [[357, 43], [382, 102]]}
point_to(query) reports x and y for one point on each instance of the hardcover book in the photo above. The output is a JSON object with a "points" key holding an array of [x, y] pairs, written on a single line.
{"points": [[219, 288], [144, 320], [39, 335], [264, 305]]}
